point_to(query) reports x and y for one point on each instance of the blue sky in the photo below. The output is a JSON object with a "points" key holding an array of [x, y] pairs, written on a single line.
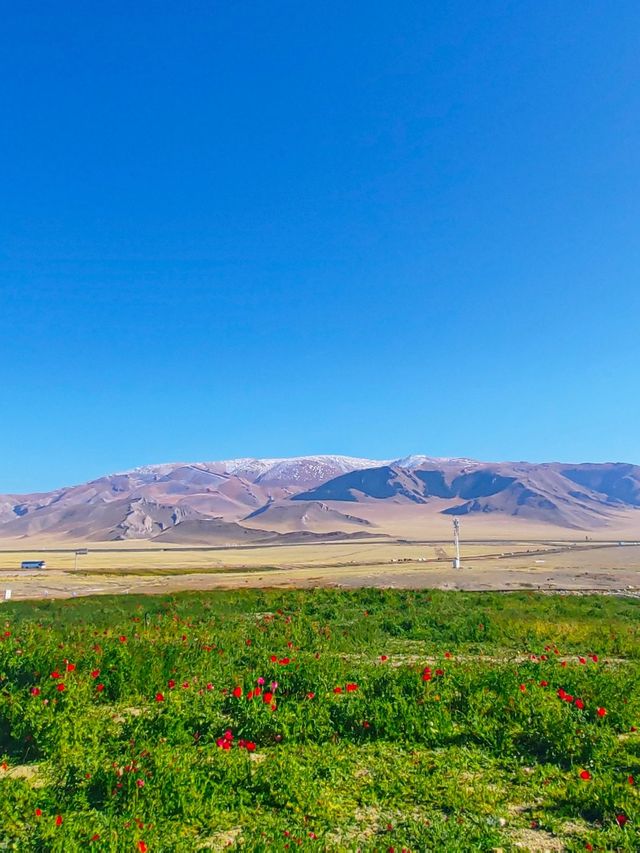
{"points": [[283, 228]]}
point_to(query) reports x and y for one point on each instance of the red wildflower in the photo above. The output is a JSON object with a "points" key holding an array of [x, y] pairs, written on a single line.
{"points": [[250, 746], [285, 661], [237, 692], [95, 837], [71, 667], [35, 691], [584, 774], [383, 658], [351, 688], [171, 684], [95, 673], [311, 695], [579, 704], [544, 684], [601, 712], [447, 655], [582, 660], [159, 697], [60, 687], [38, 812], [274, 658], [621, 819], [140, 783], [99, 687], [209, 686], [122, 638], [522, 688], [250, 694], [631, 780], [185, 685], [58, 820], [55, 674], [142, 847], [594, 658], [440, 672], [337, 689], [267, 697]]}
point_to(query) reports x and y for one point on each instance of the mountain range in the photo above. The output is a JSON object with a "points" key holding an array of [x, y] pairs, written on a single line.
{"points": [[308, 497]]}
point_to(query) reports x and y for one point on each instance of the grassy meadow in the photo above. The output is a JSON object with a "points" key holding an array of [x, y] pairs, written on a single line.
{"points": [[323, 720]]}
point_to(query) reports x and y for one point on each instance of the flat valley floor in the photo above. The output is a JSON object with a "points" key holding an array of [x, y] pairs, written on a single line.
{"points": [[571, 565]]}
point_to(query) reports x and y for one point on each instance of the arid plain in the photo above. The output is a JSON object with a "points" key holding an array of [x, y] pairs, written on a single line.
{"points": [[503, 555]]}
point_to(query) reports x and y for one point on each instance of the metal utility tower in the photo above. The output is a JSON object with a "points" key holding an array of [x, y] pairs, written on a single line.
{"points": [[456, 542]]}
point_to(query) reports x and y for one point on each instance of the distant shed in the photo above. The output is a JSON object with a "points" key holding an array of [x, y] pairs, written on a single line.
{"points": [[33, 564]]}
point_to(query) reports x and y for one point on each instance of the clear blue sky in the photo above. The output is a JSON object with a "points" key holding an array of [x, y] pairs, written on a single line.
{"points": [[276, 228]]}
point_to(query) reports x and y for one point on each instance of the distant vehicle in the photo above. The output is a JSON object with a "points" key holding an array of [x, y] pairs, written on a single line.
{"points": [[33, 564]]}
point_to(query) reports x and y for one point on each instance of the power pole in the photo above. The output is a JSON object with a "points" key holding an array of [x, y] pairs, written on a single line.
{"points": [[456, 542]]}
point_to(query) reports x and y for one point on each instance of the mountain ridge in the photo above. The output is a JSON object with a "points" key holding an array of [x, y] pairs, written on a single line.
{"points": [[147, 501]]}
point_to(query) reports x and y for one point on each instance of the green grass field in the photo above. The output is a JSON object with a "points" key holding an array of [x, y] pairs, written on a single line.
{"points": [[326, 720]]}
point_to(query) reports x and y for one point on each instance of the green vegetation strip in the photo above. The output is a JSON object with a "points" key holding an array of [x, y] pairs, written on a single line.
{"points": [[326, 720]]}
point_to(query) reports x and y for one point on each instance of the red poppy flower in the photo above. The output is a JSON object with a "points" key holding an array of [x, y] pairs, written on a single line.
{"points": [[601, 712], [71, 667], [58, 820], [311, 695], [274, 658], [159, 697], [171, 684], [285, 661], [579, 704], [38, 812], [95, 837], [185, 685], [95, 673], [337, 689], [440, 672], [582, 660], [383, 658], [523, 688], [621, 819], [267, 697], [544, 684], [122, 638], [631, 780], [35, 691], [351, 688], [55, 674], [250, 695], [209, 686], [250, 746], [99, 687], [237, 692], [60, 687], [142, 847], [584, 774], [594, 658]]}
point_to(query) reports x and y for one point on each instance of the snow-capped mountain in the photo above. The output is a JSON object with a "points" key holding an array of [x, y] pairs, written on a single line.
{"points": [[153, 498]]}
